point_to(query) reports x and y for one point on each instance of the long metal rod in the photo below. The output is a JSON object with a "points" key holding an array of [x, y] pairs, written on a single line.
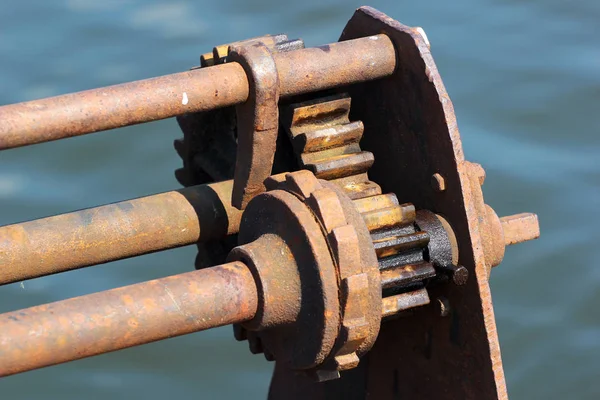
{"points": [[299, 71], [129, 316], [115, 231]]}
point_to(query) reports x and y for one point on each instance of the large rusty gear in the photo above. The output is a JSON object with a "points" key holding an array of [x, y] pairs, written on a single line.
{"points": [[327, 143], [357, 268], [344, 310]]}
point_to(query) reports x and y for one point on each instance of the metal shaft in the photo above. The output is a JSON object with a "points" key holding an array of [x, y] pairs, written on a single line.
{"points": [[299, 71], [129, 316], [115, 231]]}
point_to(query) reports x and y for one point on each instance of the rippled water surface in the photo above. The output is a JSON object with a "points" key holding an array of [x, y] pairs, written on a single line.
{"points": [[524, 79]]}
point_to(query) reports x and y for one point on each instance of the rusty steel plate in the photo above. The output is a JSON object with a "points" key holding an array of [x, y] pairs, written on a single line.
{"points": [[413, 133]]}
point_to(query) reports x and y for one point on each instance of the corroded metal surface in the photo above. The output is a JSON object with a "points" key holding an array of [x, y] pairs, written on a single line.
{"points": [[395, 304], [300, 71], [115, 231], [257, 122], [418, 138], [129, 316], [130, 103], [279, 213], [406, 274], [410, 128], [359, 285], [208, 148], [320, 263], [326, 142], [520, 228], [336, 64]]}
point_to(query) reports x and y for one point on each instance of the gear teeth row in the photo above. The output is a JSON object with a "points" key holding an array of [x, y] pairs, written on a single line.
{"points": [[327, 143]]}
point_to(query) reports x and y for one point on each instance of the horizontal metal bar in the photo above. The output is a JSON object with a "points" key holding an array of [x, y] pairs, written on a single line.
{"points": [[520, 228], [129, 316], [300, 71], [115, 231], [126, 104]]}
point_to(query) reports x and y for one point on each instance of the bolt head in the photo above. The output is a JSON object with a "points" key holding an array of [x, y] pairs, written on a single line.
{"points": [[460, 275]]}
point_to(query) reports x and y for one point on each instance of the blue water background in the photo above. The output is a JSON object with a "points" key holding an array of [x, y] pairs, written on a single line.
{"points": [[525, 82]]}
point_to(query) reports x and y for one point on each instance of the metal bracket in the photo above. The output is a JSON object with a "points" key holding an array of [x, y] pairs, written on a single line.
{"points": [[258, 122]]}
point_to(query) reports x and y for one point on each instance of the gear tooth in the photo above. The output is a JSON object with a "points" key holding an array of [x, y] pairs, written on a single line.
{"points": [[254, 343], [376, 202], [180, 148], [328, 137], [268, 355], [239, 333], [389, 217], [317, 113], [392, 245], [358, 186], [404, 274], [346, 361], [324, 375], [207, 60], [342, 166], [183, 177]]}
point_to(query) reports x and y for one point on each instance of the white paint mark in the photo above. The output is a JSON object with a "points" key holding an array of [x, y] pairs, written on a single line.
{"points": [[22, 285], [421, 32], [373, 37], [184, 101]]}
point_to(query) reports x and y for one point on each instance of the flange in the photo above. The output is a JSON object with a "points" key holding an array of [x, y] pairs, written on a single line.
{"points": [[317, 275]]}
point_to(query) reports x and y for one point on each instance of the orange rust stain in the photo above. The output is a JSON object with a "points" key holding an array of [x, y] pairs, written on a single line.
{"points": [[149, 303], [127, 300], [133, 323], [61, 341]]}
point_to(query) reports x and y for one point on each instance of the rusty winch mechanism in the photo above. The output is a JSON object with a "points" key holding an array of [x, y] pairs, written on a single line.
{"points": [[353, 240]]}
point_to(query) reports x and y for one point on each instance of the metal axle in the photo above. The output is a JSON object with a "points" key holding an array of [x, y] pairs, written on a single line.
{"points": [[300, 71], [129, 316], [116, 231]]}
